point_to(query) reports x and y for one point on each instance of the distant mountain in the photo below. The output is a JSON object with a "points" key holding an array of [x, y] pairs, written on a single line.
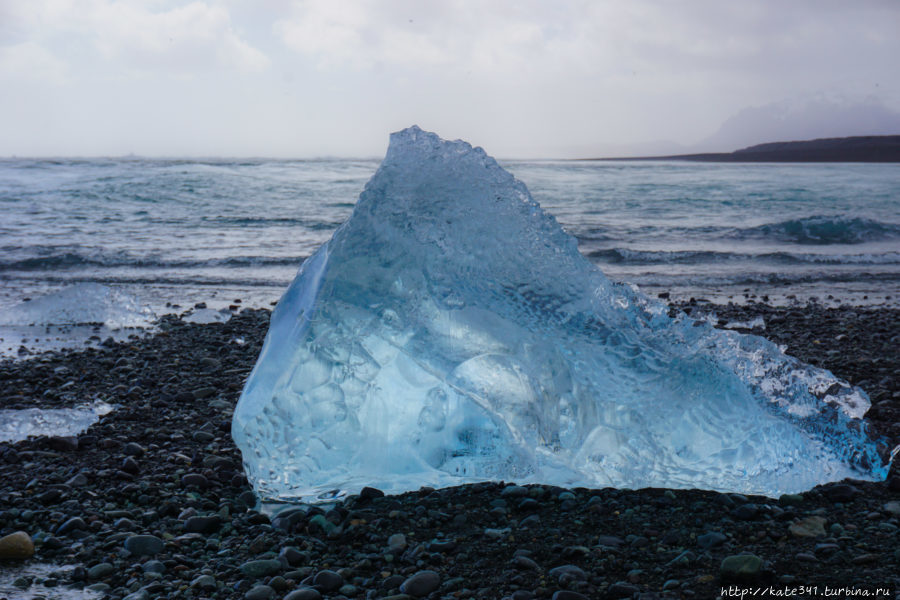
{"points": [[868, 148], [802, 119]]}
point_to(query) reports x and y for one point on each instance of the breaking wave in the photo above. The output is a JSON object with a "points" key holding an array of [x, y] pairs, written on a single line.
{"points": [[821, 230], [624, 256], [75, 260]]}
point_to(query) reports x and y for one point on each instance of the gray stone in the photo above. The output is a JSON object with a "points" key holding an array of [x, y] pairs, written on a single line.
{"points": [[202, 524], [741, 567], [304, 594], [261, 568], [328, 581], [568, 595], [572, 571], [140, 545], [73, 524], [153, 566], [745, 512], [421, 584], [790, 499], [101, 570], [514, 491], [260, 592], [63, 443], [397, 543], [525, 563], [133, 449], [195, 479], [711, 539], [622, 589], [808, 527], [78, 480], [204, 392], [204, 582]]}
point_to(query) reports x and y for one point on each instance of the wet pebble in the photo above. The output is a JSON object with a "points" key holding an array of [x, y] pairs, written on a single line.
{"points": [[16, 546], [144, 545], [421, 584]]}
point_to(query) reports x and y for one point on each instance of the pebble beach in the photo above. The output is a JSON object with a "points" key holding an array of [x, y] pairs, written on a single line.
{"points": [[151, 501]]}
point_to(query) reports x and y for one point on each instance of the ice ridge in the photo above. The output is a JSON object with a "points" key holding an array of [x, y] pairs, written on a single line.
{"points": [[451, 332]]}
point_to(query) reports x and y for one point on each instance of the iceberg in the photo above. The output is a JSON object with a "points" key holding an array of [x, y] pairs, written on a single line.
{"points": [[451, 332]]}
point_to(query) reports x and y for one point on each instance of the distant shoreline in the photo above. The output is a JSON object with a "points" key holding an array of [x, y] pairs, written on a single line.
{"points": [[869, 149]]}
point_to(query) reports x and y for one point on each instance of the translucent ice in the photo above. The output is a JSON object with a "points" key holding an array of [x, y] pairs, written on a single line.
{"points": [[451, 332], [18, 425], [79, 304]]}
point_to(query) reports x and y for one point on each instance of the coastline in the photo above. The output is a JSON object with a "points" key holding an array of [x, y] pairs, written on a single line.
{"points": [[163, 465]]}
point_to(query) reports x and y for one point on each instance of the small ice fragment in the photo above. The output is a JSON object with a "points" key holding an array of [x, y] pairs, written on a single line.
{"points": [[204, 316], [756, 323], [16, 425], [80, 304]]}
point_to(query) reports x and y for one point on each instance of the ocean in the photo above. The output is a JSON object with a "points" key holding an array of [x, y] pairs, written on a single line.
{"points": [[119, 241]]}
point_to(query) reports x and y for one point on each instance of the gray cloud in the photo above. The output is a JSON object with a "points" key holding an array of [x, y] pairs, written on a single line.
{"points": [[317, 77]]}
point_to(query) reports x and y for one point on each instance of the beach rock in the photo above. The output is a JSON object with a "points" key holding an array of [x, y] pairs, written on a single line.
{"points": [[66, 443], [808, 527], [568, 595], [16, 546], [73, 524], [711, 539], [327, 580], [202, 524], [260, 592], [101, 571], [261, 568], [144, 545], [421, 584], [204, 582], [741, 567], [307, 593]]}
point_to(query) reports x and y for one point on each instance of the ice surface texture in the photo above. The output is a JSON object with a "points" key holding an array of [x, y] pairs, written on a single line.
{"points": [[451, 332]]}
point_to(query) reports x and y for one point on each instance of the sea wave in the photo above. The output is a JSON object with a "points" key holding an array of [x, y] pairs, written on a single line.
{"points": [[625, 256], [820, 230], [75, 260]]}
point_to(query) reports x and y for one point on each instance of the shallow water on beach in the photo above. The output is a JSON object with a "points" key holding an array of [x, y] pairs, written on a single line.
{"points": [[39, 581], [167, 234]]}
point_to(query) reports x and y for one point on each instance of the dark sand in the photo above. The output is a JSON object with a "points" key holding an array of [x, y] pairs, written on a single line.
{"points": [[163, 464]]}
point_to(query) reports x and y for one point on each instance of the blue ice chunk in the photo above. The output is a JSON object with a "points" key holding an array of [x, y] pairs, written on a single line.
{"points": [[451, 332]]}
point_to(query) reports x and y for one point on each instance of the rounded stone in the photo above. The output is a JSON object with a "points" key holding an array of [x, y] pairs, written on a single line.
{"points": [[304, 594], [808, 527], [101, 570], [741, 566], [16, 546], [195, 479], [73, 524], [421, 584], [202, 524], [568, 595], [261, 568], [140, 545], [328, 581], [260, 592]]}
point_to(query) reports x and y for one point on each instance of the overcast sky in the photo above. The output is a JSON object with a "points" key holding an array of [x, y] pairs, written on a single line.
{"points": [[561, 78]]}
